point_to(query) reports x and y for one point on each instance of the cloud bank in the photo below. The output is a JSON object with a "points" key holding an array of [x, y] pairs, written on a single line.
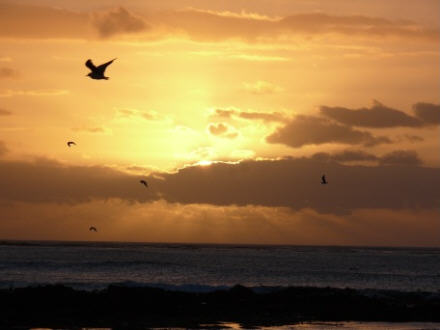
{"points": [[293, 183]]}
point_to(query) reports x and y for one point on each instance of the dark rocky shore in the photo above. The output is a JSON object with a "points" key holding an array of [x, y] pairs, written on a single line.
{"points": [[139, 308]]}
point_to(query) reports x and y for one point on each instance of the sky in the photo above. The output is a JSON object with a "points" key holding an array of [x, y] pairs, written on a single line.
{"points": [[232, 111]]}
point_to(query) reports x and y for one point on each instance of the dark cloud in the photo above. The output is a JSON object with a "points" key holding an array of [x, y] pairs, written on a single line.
{"points": [[401, 157], [305, 130], [48, 181], [116, 21], [428, 112], [292, 183], [378, 116], [222, 130], [295, 183], [345, 156], [6, 72], [4, 112], [251, 115], [397, 157]]}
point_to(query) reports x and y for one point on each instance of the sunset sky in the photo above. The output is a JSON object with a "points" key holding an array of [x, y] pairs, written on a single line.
{"points": [[231, 110]]}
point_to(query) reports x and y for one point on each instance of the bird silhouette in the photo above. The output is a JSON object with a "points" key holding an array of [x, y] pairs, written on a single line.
{"points": [[93, 229], [323, 180], [71, 143], [144, 183], [98, 71]]}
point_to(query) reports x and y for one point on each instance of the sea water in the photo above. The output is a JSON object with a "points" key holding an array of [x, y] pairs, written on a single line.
{"points": [[206, 267]]}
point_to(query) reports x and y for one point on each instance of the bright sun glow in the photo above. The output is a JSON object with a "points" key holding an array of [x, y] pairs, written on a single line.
{"points": [[204, 162]]}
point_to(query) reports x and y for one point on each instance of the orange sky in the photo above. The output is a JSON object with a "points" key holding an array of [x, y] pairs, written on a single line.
{"points": [[232, 111]]}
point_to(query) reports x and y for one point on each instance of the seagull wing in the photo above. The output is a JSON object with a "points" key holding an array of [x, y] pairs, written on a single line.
{"points": [[101, 68], [90, 65]]}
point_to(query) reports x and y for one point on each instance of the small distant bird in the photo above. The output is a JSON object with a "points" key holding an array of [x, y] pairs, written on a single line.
{"points": [[93, 229], [98, 71], [71, 143], [323, 180], [144, 183]]}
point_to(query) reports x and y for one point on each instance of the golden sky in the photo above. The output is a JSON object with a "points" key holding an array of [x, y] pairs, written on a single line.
{"points": [[231, 110]]}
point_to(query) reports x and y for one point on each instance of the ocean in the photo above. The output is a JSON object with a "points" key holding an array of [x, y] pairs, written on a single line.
{"points": [[206, 267]]}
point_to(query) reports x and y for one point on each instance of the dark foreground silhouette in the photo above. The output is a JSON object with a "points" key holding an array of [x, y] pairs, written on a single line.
{"points": [[139, 308]]}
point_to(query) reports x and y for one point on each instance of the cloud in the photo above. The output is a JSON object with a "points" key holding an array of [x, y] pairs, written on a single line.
{"points": [[428, 112], [6, 72], [262, 87], [3, 149], [397, 157], [117, 21], [4, 112], [33, 21], [413, 138], [222, 130], [38, 92], [401, 157], [93, 130], [306, 130], [378, 116], [148, 115], [251, 115], [215, 26], [45, 180], [293, 183], [195, 24], [345, 156]]}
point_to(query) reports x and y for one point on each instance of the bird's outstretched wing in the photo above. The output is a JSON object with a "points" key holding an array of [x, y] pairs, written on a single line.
{"points": [[90, 65], [101, 68]]}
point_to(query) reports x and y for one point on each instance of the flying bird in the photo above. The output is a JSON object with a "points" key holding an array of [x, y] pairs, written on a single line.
{"points": [[71, 143], [93, 229], [97, 72], [144, 183], [323, 180]]}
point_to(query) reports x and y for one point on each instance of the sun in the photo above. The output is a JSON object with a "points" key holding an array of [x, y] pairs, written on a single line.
{"points": [[204, 162]]}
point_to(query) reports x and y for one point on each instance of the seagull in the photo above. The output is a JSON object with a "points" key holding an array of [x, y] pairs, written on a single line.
{"points": [[98, 71], [71, 143], [323, 180], [144, 183], [93, 229]]}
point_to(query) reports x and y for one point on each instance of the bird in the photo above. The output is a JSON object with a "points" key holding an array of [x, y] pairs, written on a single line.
{"points": [[323, 180], [97, 72], [144, 183], [93, 229], [71, 143]]}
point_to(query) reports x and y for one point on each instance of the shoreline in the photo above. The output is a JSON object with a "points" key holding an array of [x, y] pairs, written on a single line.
{"points": [[122, 307]]}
